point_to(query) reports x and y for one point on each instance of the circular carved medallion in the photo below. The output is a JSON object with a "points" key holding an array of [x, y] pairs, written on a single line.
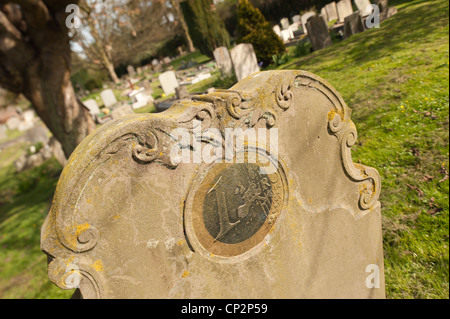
{"points": [[233, 206]]}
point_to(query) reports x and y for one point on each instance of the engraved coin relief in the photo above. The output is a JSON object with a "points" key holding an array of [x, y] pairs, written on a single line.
{"points": [[235, 205]]}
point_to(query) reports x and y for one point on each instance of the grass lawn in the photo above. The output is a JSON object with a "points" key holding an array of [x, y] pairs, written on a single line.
{"points": [[395, 79]]}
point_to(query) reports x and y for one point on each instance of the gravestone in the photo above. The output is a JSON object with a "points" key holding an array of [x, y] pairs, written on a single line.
{"points": [[363, 7], [331, 11], [287, 35], [305, 18], [318, 33], [344, 9], [37, 134], [92, 106], [284, 23], [120, 111], [223, 60], [141, 211], [297, 19], [181, 92], [168, 82], [244, 60], [131, 71], [353, 24], [276, 28], [108, 98], [323, 13]]}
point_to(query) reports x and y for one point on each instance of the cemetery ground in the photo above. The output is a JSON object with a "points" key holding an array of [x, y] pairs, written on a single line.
{"points": [[396, 81]]}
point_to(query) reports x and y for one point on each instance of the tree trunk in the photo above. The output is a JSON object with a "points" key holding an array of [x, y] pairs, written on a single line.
{"points": [[35, 61], [49, 89], [187, 37]]}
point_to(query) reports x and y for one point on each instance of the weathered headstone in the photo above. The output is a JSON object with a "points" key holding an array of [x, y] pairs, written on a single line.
{"points": [[181, 92], [305, 18], [331, 11], [108, 98], [292, 217], [168, 81], [297, 19], [353, 24], [318, 33], [323, 13], [244, 60], [131, 71], [37, 134], [92, 106], [276, 28], [284, 23], [223, 60], [120, 111], [344, 9], [363, 7], [287, 35]]}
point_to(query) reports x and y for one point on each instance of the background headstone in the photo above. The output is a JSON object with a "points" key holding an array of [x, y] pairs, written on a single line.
{"points": [[181, 92], [223, 60], [344, 9], [131, 71], [284, 23], [121, 111], [168, 81], [108, 98], [297, 19], [92, 105], [276, 28], [305, 18], [323, 13], [353, 24], [362, 6], [331, 11], [244, 60], [318, 33]]}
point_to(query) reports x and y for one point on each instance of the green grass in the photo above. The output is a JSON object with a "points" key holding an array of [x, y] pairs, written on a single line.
{"points": [[395, 79]]}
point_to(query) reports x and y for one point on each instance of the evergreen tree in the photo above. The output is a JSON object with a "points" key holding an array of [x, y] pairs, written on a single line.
{"points": [[253, 28], [206, 28]]}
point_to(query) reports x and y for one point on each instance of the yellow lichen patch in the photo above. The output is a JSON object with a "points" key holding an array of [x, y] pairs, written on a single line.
{"points": [[98, 265], [185, 274], [180, 242], [89, 200]]}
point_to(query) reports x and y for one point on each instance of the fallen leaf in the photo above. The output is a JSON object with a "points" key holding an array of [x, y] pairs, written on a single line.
{"points": [[435, 210], [428, 178], [419, 192]]}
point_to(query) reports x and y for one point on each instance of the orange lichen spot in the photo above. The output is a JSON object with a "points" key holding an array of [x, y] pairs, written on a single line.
{"points": [[98, 265], [180, 242], [185, 274], [89, 200]]}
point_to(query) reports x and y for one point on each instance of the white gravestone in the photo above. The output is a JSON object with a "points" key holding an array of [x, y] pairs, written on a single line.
{"points": [[92, 105], [363, 7], [108, 98], [168, 82], [331, 11], [305, 18], [244, 60], [344, 9]]}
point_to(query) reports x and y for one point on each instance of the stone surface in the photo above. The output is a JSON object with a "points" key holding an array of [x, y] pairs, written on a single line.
{"points": [[108, 98], [181, 92], [362, 6], [353, 24], [128, 220], [344, 9], [131, 71], [37, 134], [318, 33], [323, 13], [121, 111], [223, 60], [285, 23], [331, 11], [92, 105], [305, 18], [244, 60], [168, 82]]}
